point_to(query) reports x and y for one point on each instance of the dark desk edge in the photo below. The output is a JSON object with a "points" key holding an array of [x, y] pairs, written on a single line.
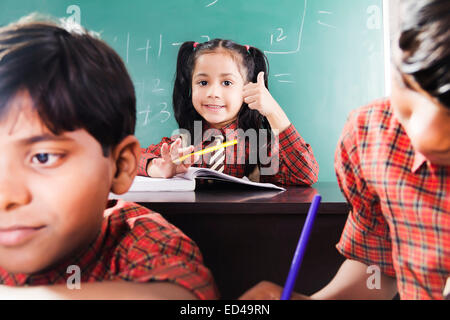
{"points": [[244, 208]]}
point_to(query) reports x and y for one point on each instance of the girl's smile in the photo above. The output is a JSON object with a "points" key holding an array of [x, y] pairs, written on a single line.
{"points": [[213, 107]]}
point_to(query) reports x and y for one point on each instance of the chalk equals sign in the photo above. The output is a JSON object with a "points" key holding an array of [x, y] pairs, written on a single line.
{"points": [[281, 77], [323, 23]]}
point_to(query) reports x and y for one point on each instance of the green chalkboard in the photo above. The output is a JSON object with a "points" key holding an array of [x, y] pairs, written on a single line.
{"points": [[326, 56]]}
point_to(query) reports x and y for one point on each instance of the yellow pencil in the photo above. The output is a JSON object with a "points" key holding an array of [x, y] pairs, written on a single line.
{"points": [[206, 150]]}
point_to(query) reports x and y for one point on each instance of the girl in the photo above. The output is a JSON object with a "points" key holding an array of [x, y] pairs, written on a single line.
{"points": [[221, 87]]}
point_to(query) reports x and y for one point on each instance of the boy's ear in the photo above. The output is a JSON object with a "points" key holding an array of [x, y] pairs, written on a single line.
{"points": [[126, 156]]}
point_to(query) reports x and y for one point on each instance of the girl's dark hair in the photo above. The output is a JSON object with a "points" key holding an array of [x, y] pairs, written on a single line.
{"points": [[425, 44], [74, 80], [253, 60]]}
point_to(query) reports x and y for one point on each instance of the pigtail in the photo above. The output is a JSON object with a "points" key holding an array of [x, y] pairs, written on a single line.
{"points": [[255, 61], [260, 64], [184, 112]]}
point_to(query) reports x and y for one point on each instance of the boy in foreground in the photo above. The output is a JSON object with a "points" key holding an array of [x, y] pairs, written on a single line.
{"points": [[67, 119]]}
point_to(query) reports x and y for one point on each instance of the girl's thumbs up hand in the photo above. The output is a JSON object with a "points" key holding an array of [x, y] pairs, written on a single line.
{"points": [[259, 98]]}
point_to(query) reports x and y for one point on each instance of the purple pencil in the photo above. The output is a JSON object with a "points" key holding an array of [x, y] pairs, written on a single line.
{"points": [[300, 250]]}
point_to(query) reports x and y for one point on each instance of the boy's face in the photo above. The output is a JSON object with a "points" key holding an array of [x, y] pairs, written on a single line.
{"points": [[53, 190], [217, 88], [425, 120]]}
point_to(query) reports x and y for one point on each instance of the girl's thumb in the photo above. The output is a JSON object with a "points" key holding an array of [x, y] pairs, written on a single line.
{"points": [[260, 78]]}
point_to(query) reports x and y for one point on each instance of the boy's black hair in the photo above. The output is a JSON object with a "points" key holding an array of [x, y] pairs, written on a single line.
{"points": [[253, 60], [425, 44], [74, 80]]}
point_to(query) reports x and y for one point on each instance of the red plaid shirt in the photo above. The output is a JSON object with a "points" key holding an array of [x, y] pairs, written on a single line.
{"points": [[296, 166], [400, 217], [134, 244]]}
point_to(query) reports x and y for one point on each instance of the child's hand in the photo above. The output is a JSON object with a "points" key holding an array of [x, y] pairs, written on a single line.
{"points": [[263, 291], [266, 290], [259, 98], [164, 167]]}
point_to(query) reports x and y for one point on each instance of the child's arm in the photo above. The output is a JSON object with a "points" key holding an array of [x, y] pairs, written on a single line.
{"points": [[292, 161], [295, 161], [350, 282], [107, 290], [148, 154], [353, 281]]}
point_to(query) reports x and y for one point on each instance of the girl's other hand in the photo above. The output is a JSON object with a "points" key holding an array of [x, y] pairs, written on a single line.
{"points": [[164, 167]]}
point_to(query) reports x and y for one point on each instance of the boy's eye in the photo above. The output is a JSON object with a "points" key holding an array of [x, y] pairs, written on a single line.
{"points": [[227, 83], [45, 158]]}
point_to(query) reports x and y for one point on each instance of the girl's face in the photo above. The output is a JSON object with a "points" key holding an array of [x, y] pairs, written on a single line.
{"points": [[217, 86]]}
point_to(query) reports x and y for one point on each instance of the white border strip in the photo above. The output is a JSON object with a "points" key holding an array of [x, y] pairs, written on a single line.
{"points": [[387, 49]]}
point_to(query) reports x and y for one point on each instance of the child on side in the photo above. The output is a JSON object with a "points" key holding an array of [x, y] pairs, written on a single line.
{"points": [[393, 166], [67, 118], [222, 86]]}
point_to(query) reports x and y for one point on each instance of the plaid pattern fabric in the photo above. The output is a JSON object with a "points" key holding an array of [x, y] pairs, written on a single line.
{"points": [[400, 216], [134, 244], [297, 165]]}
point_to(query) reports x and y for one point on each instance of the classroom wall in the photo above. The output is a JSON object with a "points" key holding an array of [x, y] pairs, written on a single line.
{"points": [[326, 56]]}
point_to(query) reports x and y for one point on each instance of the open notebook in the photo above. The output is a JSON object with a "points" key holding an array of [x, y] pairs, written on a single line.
{"points": [[186, 181]]}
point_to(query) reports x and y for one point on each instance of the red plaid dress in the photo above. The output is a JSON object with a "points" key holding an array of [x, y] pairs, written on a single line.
{"points": [[296, 165], [400, 216], [134, 244]]}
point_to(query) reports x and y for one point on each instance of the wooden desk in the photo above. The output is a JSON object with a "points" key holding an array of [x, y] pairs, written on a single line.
{"points": [[247, 236]]}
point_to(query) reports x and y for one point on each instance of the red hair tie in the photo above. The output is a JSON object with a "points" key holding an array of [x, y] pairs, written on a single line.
{"points": [[247, 47], [195, 45]]}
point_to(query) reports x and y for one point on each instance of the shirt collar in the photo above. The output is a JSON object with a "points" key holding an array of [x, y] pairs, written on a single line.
{"points": [[419, 160], [230, 126], [228, 131]]}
